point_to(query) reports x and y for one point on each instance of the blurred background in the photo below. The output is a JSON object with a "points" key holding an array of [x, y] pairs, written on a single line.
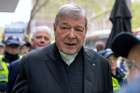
{"points": [[17, 17]]}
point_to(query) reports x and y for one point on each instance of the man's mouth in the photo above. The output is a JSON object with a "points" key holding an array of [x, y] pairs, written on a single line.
{"points": [[70, 44]]}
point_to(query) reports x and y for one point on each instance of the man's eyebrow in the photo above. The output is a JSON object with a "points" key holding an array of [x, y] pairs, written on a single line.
{"points": [[66, 24], [79, 26], [63, 23]]}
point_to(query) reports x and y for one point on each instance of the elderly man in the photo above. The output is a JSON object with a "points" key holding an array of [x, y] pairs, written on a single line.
{"points": [[41, 36], [65, 66], [128, 46]]}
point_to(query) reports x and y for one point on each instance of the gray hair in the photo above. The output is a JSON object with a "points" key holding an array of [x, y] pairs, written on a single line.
{"points": [[71, 10], [42, 28]]}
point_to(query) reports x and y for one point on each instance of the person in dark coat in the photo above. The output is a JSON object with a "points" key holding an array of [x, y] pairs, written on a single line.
{"points": [[11, 53], [13, 70], [65, 66]]}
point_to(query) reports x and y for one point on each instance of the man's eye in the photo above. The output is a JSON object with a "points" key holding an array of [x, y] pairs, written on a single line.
{"points": [[63, 27], [79, 29], [38, 37]]}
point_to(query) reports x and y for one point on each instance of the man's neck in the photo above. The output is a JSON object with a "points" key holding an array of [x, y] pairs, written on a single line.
{"points": [[68, 59]]}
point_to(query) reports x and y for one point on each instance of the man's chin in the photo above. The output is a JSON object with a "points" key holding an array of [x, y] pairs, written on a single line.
{"points": [[70, 52]]}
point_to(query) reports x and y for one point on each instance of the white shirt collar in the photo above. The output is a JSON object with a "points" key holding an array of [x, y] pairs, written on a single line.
{"points": [[68, 59]]}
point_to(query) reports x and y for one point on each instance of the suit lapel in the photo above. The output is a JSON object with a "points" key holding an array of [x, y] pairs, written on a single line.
{"points": [[90, 73], [90, 81], [51, 63]]}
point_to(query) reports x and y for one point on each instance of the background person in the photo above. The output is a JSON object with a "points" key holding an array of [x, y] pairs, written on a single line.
{"points": [[99, 46], [118, 76], [11, 53], [25, 48], [12, 49], [41, 37], [128, 46]]}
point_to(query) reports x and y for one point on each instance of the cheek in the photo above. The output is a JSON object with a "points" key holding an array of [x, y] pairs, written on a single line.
{"points": [[47, 41], [114, 64], [60, 36], [35, 42], [82, 35], [82, 38], [16, 49]]}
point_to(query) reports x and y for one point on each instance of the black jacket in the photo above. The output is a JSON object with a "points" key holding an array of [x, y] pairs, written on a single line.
{"points": [[38, 73]]}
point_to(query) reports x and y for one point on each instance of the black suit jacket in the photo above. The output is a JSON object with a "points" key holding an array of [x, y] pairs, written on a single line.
{"points": [[38, 73]]}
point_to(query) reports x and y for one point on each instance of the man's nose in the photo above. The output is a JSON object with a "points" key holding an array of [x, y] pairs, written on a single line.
{"points": [[72, 33], [43, 39]]}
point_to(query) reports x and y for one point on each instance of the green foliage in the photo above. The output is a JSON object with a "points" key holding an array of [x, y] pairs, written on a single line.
{"points": [[91, 6], [52, 7], [135, 15]]}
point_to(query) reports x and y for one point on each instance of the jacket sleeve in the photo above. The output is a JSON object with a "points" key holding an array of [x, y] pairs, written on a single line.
{"points": [[109, 78], [13, 70], [21, 85]]}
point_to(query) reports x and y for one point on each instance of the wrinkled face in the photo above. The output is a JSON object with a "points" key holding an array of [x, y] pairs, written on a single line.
{"points": [[70, 34], [14, 50], [41, 39]]}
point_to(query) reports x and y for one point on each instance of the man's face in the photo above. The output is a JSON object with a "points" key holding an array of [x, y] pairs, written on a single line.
{"points": [[70, 34], [12, 49], [41, 39]]}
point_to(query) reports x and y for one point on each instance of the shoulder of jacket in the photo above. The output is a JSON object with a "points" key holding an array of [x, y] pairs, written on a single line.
{"points": [[93, 54], [96, 56], [90, 51]]}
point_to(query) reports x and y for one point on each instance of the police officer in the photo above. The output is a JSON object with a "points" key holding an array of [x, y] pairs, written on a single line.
{"points": [[12, 49], [11, 53], [3, 75]]}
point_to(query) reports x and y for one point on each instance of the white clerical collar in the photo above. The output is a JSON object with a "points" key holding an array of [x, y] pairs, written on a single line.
{"points": [[68, 59]]}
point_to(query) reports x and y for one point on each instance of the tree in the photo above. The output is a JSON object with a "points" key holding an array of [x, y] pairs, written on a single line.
{"points": [[36, 8]]}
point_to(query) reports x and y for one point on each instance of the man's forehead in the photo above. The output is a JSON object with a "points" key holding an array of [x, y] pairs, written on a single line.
{"points": [[67, 20], [41, 33], [41, 30], [38, 32]]}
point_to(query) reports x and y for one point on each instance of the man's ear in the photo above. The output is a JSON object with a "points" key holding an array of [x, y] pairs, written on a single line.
{"points": [[86, 29], [54, 27]]}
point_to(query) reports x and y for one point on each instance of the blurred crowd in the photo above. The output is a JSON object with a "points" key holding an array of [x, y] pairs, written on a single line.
{"points": [[13, 49], [124, 58]]}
